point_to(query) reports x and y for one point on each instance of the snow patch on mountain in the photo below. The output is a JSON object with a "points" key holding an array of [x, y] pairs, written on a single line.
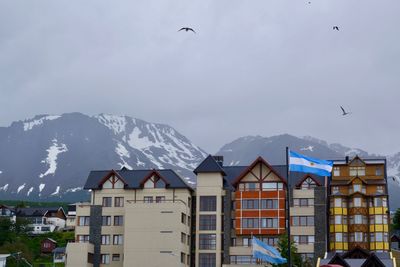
{"points": [[73, 190], [4, 187], [29, 124], [20, 188], [29, 191], [41, 187], [115, 123], [123, 153], [309, 148], [1, 172], [52, 154], [56, 192]]}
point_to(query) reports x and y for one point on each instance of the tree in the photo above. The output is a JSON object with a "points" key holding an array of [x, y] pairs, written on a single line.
{"points": [[396, 219], [6, 231], [283, 249]]}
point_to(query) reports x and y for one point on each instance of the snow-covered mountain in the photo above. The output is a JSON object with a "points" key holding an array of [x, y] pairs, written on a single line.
{"points": [[244, 150], [50, 156]]}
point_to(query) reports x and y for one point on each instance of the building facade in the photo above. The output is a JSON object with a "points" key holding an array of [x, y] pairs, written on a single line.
{"points": [[135, 218], [359, 211], [153, 218]]}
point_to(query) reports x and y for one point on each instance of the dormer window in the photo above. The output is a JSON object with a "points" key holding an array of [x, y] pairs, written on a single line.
{"points": [[154, 182], [308, 184]]}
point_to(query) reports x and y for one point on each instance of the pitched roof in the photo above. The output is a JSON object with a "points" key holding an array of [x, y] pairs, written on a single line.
{"points": [[133, 178], [34, 211], [209, 164], [305, 178]]}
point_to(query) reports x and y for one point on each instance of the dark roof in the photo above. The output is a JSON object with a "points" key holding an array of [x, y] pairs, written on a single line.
{"points": [[232, 172], [133, 178], [59, 250], [209, 165], [49, 239], [358, 257], [35, 211]]}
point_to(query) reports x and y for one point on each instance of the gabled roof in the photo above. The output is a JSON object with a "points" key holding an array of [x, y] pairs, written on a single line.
{"points": [[49, 239], [337, 259], [299, 183], [208, 165], [151, 174], [373, 261], [356, 253], [394, 238], [111, 173], [36, 211], [356, 159], [249, 168], [133, 178]]}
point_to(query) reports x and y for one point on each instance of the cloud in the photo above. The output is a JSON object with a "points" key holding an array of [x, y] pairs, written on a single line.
{"points": [[254, 67]]}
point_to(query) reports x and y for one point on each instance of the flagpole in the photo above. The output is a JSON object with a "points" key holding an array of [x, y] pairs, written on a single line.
{"points": [[288, 210]]}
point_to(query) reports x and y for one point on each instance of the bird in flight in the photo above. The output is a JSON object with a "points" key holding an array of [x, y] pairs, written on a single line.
{"points": [[186, 29], [344, 111], [335, 28]]}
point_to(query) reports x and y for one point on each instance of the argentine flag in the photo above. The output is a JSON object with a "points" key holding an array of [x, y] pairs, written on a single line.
{"points": [[301, 163], [266, 253]]}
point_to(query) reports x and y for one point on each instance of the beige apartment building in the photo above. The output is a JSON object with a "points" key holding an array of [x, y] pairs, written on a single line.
{"points": [[135, 218]]}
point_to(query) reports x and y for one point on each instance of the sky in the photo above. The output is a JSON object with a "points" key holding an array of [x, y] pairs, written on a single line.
{"points": [[253, 67]]}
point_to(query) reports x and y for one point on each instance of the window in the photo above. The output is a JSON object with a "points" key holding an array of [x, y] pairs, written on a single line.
{"points": [[105, 239], [183, 238], [378, 219], [358, 237], [380, 202], [82, 238], [378, 171], [379, 189], [335, 189], [207, 222], [338, 237], [118, 239], [84, 220], [148, 199], [183, 257], [338, 202], [379, 237], [338, 219], [207, 259], [250, 222], [357, 171], [154, 182], [183, 218], [188, 260], [207, 241], [116, 257], [357, 202], [107, 201], [160, 199], [105, 258], [336, 171], [356, 187], [118, 220], [106, 220], [252, 186], [269, 223], [358, 219], [272, 241], [249, 204], [302, 221], [269, 186], [246, 241], [208, 203], [303, 239], [269, 203], [118, 202]]}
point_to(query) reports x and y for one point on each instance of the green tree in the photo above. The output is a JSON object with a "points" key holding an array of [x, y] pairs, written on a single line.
{"points": [[396, 219], [6, 231], [283, 249]]}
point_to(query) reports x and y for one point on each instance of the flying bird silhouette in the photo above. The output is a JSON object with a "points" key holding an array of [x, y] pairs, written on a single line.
{"points": [[335, 28], [186, 29], [344, 111]]}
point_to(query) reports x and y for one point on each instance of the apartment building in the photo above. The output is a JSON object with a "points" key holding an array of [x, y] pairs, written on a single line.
{"points": [[359, 205], [135, 218], [238, 202]]}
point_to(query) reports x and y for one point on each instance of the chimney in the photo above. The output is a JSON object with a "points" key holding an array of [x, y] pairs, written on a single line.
{"points": [[347, 159], [219, 160]]}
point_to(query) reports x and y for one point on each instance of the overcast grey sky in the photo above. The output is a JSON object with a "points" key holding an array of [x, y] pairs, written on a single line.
{"points": [[254, 68]]}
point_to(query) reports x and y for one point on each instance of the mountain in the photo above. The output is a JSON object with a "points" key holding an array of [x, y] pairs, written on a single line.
{"points": [[49, 157], [244, 150]]}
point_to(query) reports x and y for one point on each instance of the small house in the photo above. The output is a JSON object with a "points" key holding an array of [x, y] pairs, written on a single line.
{"points": [[48, 245]]}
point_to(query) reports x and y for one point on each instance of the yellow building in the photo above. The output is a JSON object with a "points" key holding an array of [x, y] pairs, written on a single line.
{"points": [[359, 205]]}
